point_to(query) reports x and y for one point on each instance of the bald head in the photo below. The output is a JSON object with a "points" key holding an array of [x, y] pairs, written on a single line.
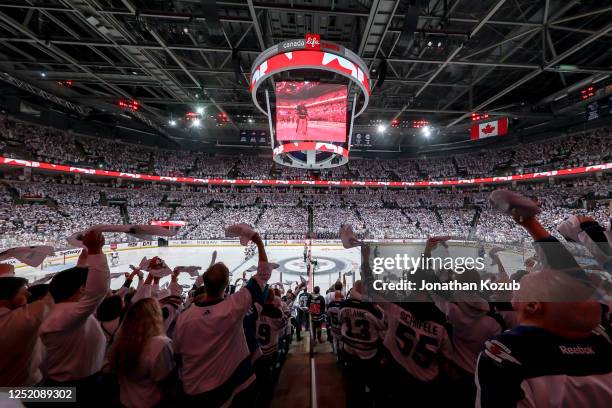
{"points": [[558, 303], [552, 286], [216, 279]]}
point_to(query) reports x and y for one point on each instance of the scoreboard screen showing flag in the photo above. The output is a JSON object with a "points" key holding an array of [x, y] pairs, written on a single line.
{"points": [[489, 129]]}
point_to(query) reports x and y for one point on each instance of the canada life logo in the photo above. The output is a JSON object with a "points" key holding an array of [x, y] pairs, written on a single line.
{"points": [[313, 41]]}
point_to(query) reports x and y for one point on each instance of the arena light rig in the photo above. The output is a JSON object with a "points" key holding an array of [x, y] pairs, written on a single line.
{"points": [[587, 93], [67, 83], [418, 124], [479, 116], [129, 104]]}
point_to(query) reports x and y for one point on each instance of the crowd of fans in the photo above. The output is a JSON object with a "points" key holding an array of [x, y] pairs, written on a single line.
{"points": [[47, 209], [220, 343], [28, 141]]}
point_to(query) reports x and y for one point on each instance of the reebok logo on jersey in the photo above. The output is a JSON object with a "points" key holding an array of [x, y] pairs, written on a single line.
{"points": [[576, 350]]}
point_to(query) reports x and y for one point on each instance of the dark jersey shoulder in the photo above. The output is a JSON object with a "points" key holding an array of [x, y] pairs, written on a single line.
{"points": [[271, 311], [424, 311], [335, 303], [523, 353], [539, 352]]}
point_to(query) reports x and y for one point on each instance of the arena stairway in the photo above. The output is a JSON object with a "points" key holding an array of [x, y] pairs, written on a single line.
{"points": [[474, 224], [310, 221], [124, 213], [294, 387], [12, 191]]}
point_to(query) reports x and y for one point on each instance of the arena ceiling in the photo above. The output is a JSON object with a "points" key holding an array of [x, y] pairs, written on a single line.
{"points": [[514, 58]]}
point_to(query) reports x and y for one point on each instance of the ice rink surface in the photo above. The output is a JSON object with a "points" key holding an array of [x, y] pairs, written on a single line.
{"points": [[332, 261]]}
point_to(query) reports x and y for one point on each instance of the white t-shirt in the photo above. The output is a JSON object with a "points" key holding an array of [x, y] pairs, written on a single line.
{"points": [[72, 336], [210, 339], [331, 296], [472, 326], [156, 362]]}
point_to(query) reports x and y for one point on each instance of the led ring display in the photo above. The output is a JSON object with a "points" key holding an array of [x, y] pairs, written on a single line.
{"points": [[308, 115], [311, 155], [63, 168], [330, 57]]}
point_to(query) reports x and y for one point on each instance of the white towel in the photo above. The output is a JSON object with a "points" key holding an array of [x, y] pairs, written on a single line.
{"points": [[242, 230], [347, 236], [155, 266], [144, 232], [506, 201], [29, 255], [191, 270]]}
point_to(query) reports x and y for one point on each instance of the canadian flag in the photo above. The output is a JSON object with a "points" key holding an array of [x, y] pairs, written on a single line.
{"points": [[487, 129]]}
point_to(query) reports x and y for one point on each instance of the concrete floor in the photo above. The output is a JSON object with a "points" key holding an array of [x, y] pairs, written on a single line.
{"points": [[293, 388]]}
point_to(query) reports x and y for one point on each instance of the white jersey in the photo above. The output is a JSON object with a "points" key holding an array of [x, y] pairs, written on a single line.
{"points": [[333, 315], [270, 326], [362, 327], [209, 338], [287, 314], [472, 325], [417, 342]]}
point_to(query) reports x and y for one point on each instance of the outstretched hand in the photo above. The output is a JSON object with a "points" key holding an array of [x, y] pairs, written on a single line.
{"points": [[93, 241]]}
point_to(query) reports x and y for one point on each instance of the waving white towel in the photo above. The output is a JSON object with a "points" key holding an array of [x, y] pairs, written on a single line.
{"points": [[191, 270], [242, 230], [507, 201], [155, 266], [144, 232], [29, 255], [347, 236]]}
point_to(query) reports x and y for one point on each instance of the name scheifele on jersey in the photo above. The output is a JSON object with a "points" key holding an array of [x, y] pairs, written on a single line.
{"points": [[417, 337], [526, 362]]}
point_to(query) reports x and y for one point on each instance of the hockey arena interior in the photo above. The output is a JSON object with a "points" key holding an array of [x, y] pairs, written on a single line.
{"points": [[306, 203]]}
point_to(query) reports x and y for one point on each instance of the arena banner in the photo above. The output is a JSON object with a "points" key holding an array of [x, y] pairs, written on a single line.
{"points": [[6, 161], [168, 223]]}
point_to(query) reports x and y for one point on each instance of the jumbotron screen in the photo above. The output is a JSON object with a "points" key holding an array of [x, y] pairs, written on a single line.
{"points": [[310, 111]]}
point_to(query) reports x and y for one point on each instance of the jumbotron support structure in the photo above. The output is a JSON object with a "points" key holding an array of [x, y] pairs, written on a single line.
{"points": [[310, 150]]}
